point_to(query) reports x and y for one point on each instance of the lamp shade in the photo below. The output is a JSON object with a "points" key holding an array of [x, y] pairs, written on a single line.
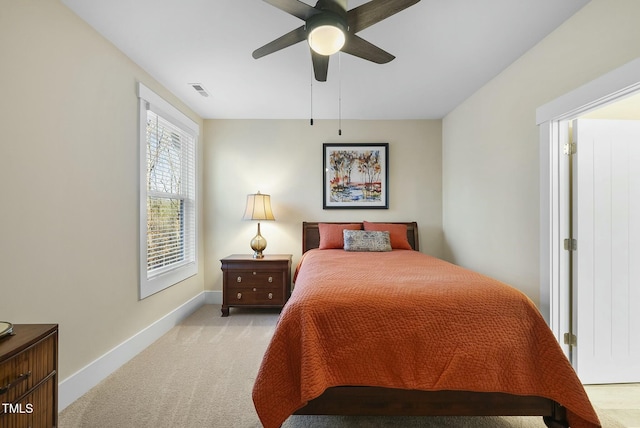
{"points": [[258, 207]]}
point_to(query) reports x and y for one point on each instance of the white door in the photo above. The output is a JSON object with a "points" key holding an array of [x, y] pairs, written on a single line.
{"points": [[606, 226]]}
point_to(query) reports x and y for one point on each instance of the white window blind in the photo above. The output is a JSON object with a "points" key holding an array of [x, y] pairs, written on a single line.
{"points": [[168, 208]]}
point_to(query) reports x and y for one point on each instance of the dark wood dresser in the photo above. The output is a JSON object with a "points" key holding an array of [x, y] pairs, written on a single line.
{"points": [[255, 283], [29, 377]]}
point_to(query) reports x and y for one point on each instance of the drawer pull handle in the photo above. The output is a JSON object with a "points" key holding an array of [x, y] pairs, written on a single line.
{"points": [[21, 378], [255, 289], [270, 279], [270, 296], [239, 296], [254, 273], [239, 279]]}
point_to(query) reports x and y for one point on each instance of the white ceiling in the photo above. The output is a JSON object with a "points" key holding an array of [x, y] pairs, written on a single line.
{"points": [[445, 50]]}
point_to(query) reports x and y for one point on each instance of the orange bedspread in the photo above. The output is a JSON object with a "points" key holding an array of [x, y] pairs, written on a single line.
{"points": [[403, 319]]}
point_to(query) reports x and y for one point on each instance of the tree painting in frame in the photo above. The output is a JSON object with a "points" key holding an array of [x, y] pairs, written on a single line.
{"points": [[356, 175]]}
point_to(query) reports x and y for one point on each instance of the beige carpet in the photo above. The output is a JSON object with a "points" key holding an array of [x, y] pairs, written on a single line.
{"points": [[201, 373]]}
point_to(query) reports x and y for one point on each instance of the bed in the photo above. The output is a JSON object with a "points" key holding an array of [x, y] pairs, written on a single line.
{"points": [[402, 333]]}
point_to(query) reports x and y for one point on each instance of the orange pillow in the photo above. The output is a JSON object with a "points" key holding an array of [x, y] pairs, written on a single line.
{"points": [[397, 232], [331, 234]]}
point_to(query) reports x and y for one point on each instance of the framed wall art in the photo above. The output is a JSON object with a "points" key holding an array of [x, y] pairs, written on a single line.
{"points": [[355, 175]]}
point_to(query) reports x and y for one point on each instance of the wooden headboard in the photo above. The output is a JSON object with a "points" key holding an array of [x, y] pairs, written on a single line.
{"points": [[311, 233]]}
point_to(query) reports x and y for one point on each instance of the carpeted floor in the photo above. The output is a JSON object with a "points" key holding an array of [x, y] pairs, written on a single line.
{"points": [[201, 373]]}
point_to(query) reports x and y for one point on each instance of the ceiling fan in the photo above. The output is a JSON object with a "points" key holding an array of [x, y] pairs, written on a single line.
{"points": [[329, 28]]}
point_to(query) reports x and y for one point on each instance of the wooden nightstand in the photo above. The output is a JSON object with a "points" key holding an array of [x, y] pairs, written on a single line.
{"points": [[29, 376], [257, 283]]}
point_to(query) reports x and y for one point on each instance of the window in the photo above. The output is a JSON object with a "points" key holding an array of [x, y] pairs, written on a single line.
{"points": [[168, 205]]}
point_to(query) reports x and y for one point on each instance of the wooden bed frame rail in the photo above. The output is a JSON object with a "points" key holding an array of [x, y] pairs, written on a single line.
{"points": [[376, 401]]}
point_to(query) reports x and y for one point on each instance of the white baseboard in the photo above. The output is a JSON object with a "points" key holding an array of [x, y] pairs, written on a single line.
{"points": [[79, 383], [213, 297]]}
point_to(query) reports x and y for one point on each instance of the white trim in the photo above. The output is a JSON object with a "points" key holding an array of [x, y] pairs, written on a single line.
{"points": [[149, 100], [213, 297], [552, 119], [79, 383], [546, 224], [142, 193], [604, 89], [167, 109]]}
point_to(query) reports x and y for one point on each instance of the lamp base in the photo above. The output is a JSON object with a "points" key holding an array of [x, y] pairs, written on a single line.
{"points": [[258, 244]]}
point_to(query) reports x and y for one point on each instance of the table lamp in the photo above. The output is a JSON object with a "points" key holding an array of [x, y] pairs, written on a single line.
{"points": [[258, 208]]}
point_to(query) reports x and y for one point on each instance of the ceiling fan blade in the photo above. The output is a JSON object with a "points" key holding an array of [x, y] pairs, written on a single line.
{"points": [[295, 8], [357, 46], [291, 38], [375, 11], [320, 66]]}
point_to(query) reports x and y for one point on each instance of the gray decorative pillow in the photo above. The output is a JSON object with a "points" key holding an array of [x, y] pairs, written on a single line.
{"points": [[366, 240]]}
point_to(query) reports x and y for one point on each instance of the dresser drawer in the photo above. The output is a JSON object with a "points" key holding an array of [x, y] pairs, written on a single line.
{"points": [[255, 278], [36, 410], [255, 296], [29, 377], [27, 369]]}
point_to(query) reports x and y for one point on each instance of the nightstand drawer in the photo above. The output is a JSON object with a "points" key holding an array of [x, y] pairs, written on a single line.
{"points": [[29, 377], [255, 278], [26, 369], [255, 296], [37, 409]]}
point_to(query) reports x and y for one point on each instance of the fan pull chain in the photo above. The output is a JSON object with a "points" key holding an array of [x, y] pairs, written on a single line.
{"points": [[311, 98], [339, 93]]}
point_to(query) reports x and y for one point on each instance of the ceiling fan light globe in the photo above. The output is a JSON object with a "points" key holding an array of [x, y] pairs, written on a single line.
{"points": [[326, 39]]}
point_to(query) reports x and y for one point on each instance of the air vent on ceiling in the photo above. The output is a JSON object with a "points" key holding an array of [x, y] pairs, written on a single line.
{"points": [[200, 89]]}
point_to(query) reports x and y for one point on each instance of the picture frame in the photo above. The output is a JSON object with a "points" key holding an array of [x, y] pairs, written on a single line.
{"points": [[355, 176]]}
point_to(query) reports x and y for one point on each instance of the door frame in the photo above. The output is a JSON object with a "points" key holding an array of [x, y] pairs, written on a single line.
{"points": [[553, 121]]}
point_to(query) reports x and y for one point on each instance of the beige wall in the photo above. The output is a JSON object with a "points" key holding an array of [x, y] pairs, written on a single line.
{"points": [[68, 164], [490, 142], [284, 158]]}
